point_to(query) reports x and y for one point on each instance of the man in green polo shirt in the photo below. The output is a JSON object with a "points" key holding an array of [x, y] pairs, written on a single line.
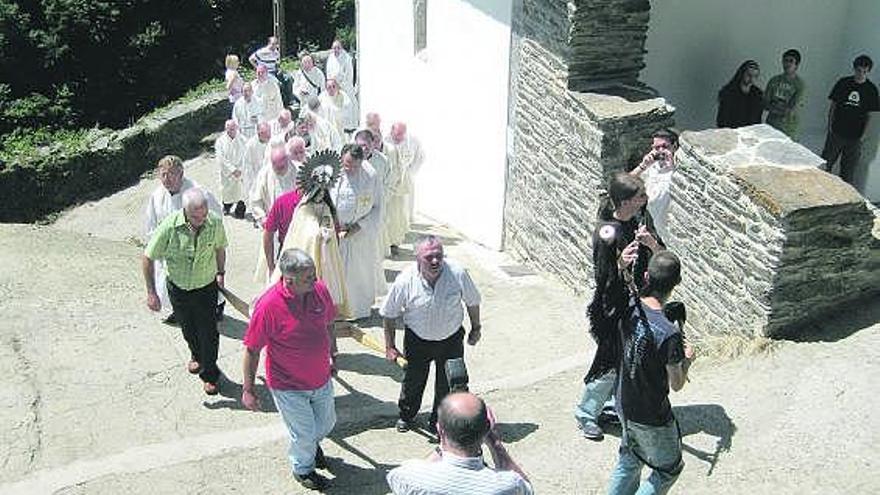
{"points": [[192, 242]]}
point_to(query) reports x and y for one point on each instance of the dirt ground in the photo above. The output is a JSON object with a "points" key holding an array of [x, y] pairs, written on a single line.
{"points": [[95, 398]]}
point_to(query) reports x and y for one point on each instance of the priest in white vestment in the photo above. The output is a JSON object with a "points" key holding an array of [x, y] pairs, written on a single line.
{"points": [[282, 125], [337, 107], [267, 92], [407, 157], [364, 139], [274, 179], [229, 151], [165, 200], [373, 122], [246, 111], [318, 134], [358, 199], [340, 67], [308, 80], [255, 157]]}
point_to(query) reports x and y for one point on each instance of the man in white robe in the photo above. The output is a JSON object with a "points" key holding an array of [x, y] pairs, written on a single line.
{"points": [[246, 111], [267, 92], [229, 151], [340, 67], [407, 157], [358, 199], [165, 200], [296, 153], [373, 122], [318, 134], [283, 124], [337, 108], [364, 139], [255, 157], [308, 80], [273, 180]]}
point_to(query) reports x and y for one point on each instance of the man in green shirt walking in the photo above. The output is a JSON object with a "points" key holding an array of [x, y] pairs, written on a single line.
{"points": [[193, 243]]}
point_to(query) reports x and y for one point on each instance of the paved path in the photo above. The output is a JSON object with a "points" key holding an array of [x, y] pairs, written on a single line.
{"points": [[95, 398]]}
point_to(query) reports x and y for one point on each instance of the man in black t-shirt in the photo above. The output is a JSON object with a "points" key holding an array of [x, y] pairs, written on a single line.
{"points": [[654, 359], [852, 100]]}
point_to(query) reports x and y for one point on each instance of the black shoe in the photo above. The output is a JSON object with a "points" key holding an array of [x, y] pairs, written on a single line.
{"points": [[170, 320], [432, 428], [403, 425], [394, 250], [320, 459], [312, 481], [218, 311]]}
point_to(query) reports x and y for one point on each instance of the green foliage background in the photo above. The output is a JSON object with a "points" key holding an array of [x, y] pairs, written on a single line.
{"points": [[67, 65]]}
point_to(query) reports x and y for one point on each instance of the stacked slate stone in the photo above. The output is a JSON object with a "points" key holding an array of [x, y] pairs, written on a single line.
{"points": [[607, 43], [767, 240]]}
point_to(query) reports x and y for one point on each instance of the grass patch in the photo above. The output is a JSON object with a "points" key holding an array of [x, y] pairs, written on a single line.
{"points": [[720, 348], [24, 145]]}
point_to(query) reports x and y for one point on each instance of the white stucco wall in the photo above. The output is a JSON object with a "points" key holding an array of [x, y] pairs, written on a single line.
{"points": [[695, 46], [453, 97]]}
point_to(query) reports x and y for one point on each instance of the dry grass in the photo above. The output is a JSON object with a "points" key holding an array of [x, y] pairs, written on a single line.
{"points": [[721, 348]]}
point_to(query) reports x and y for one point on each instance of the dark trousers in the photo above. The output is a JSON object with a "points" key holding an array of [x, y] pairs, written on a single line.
{"points": [[194, 310], [851, 149], [419, 355]]}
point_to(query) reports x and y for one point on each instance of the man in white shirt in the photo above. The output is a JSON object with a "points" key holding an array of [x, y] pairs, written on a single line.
{"points": [[246, 111], [429, 296], [465, 426], [656, 169], [308, 80], [269, 55], [358, 199], [165, 200], [407, 156], [229, 151]]}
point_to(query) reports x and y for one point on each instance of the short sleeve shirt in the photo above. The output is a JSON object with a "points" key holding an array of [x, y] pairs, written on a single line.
{"points": [[190, 257], [648, 346], [432, 313], [281, 213], [852, 102], [453, 475], [294, 332]]}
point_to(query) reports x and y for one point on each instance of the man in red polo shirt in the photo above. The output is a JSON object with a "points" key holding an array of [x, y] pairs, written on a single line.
{"points": [[293, 320]]}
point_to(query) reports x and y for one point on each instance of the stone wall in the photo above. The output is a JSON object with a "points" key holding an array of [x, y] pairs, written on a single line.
{"points": [[109, 161], [565, 145], [767, 240], [607, 42]]}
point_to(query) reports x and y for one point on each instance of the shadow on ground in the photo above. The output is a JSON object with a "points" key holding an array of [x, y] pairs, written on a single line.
{"points": [[839, 323], [710, 419]]}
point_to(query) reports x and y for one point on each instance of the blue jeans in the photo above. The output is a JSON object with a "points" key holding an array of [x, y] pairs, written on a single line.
{"points": [[597, 392], [659, 447], [309, 416]]}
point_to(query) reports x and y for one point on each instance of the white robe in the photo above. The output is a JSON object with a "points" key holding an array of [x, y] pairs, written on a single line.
{"points": [[229, 153], [383, 170], [269, 95], [267, 187], [407, 157], [281, 130], [254, 158], [341, 69], [303, 89], [339, 110], [160, 204], [657, 184], [358, 199], [246, 114]]}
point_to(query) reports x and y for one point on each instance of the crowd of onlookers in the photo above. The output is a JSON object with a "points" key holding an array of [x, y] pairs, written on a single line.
{"points": [[741, 102]]}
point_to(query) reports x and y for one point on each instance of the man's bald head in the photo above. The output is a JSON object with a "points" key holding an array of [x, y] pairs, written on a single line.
{"points": [[398, 132], [285, 117], [264, 132], [296, 149], [374, 122], [279, 159], [462, 420], [231, 128]]}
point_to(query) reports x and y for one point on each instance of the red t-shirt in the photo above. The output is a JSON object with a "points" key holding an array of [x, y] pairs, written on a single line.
{"points": [[294, 335], [279, 216]]}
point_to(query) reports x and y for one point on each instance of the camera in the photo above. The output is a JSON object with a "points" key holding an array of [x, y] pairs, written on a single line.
{"points": [[456, 375]]}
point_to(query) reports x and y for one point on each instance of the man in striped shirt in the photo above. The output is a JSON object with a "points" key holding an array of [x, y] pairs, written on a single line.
{"points": [[457, 466]]}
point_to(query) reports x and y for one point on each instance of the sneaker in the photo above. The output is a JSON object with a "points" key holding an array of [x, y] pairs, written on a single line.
{"points": [[193, 367], [591, 431], [403, 425], [211, 388], [320, 459], [312, 481]]}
